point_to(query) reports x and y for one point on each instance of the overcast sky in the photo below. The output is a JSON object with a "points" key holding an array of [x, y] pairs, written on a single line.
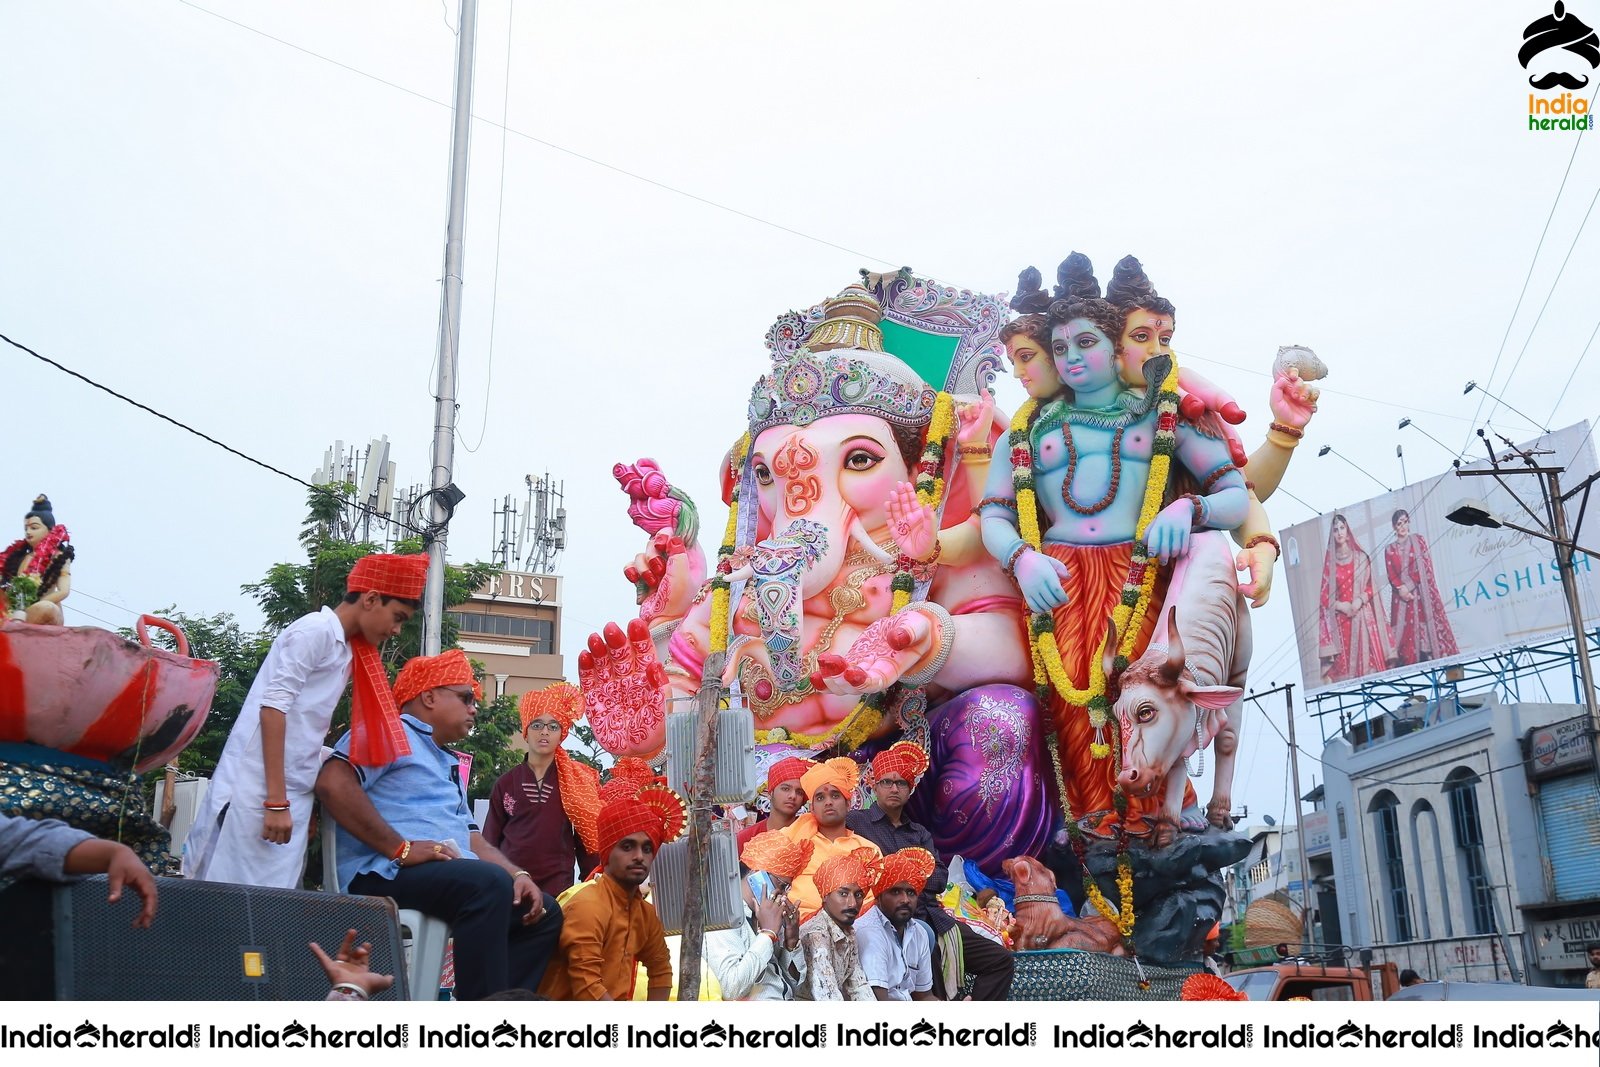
{"points": [[248, 238]]}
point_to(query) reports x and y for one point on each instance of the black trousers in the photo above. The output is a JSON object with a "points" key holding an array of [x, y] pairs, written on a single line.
{"points": [[494, 951], [991, 966]]}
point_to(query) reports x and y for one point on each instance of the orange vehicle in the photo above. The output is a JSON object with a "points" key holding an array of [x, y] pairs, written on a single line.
{"points": [[1315, 975]]}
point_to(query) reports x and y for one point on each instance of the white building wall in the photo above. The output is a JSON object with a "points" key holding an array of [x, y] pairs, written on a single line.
{"points": [[1414, 768]]}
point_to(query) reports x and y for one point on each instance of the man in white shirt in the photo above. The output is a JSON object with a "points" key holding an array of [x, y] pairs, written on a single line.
{"points": [[252, 827], [895, 949], [760, 959]]}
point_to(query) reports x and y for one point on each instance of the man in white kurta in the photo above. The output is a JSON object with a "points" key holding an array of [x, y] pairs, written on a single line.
{"points": [[252, 827]]}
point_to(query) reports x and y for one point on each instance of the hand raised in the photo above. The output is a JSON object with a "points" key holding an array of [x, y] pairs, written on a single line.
{"points": [[624, 690], [912, 523], [1293, 401]]}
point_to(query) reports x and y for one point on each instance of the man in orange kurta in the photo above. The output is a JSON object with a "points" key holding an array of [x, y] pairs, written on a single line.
{"points": [[831, 785], [610, 928]]}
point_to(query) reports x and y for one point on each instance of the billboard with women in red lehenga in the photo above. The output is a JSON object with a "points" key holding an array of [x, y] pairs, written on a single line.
{"points": [[1386, 585]]}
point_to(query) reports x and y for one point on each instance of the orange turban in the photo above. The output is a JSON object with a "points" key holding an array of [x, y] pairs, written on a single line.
{"points": [[774, 853], [562, 701], [787, 769], [656, 811], [903, 758], [422, 673], [840, 772], [580, 783], [628, 775], [853, 868], [912, 865], [376, 736]]}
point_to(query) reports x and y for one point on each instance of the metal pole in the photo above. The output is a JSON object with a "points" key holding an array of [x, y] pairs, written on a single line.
{"points": [[444, 414], [707, 707], [1569, 586], [1299, 820]]}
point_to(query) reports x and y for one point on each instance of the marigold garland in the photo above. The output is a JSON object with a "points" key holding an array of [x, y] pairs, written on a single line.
{"points": [[1122, 915], [1137, 588], [929, 481]]}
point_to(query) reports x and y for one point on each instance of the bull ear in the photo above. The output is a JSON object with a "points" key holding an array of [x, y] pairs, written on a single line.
{"points": [[1108, 655], [1215, 697]]}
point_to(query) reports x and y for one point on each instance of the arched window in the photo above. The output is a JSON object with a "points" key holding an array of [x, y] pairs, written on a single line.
{"points": [[1461, 786], [1386, 824]]}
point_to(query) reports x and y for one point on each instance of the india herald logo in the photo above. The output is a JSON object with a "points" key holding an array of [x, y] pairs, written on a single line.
{"points": [[1558, 37]]}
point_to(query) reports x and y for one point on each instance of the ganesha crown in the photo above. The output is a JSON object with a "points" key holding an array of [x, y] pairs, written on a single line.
{"points": [[808, 386]]}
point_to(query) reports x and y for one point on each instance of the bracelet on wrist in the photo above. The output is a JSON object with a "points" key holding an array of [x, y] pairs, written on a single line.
{"points": [[769, 933], [402, 852], [521, 874], [350, 988], [1265, 539], [275, 807], [1011, 562]]}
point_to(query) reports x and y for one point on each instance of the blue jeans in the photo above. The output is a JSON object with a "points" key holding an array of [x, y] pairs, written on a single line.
{"points": [[494, 951]]}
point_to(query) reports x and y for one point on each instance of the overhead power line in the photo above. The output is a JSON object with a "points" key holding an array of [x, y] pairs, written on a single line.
{"points": [[185, 427]]}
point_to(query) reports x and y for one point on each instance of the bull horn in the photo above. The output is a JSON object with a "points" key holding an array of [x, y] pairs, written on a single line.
{"points": [[1173, 668], [1108, 655]]}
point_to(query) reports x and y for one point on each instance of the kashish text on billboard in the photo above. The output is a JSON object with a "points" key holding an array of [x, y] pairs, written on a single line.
{"points": [[1388, 585]]}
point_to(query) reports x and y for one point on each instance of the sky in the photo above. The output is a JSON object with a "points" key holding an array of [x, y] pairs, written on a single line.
{"points": [[234, 212]]}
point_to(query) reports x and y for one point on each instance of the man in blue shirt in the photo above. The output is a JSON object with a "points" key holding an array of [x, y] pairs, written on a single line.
{"points": [[405, 832]]}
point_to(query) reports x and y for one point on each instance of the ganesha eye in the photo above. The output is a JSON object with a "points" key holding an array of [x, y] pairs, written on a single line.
{"points": [[1145, 713], [763, 474], [861, 460]]}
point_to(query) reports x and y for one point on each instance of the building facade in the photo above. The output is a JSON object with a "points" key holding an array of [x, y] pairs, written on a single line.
{"points": [[513, 626], [1465, 839]]}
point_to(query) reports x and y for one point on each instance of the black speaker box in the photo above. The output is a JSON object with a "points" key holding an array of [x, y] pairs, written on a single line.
{"points": [[209, 941]]}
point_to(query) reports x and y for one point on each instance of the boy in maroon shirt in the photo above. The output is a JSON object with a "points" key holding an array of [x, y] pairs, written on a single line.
{"points": [[542, 811]]}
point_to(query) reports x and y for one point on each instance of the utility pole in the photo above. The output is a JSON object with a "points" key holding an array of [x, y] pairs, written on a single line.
{"points": [[1287, 690], [707, 704], [444, 414], [1554, 530]]}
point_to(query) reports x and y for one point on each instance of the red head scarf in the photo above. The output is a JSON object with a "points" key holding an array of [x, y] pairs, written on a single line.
{"points": [[853, 868], [422, 673], [912, 865], [580, 783], [1208, 987], [903, 758], [376, 736], [788, 769], [656, 811], [774, 853]]}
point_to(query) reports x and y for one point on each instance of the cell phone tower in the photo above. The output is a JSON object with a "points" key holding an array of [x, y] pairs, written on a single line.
{"points": [[545, 519]]}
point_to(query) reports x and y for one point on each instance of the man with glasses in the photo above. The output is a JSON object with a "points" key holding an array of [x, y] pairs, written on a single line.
{"points": [[958, 950], [405, 831], [542, 811]]}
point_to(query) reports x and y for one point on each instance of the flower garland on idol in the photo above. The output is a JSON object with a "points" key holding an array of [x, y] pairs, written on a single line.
{"points": [[1129, 614], [1137, 589], [929, 481]]}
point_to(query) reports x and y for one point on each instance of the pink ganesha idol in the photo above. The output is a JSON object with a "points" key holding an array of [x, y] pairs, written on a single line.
{"points": [[852, 602]]}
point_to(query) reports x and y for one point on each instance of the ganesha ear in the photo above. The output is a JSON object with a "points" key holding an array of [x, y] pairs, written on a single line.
{"points": [[1215, 697]]}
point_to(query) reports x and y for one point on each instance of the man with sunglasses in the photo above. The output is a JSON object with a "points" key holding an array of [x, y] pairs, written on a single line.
{"points": [[956, 948], [405, 832]]}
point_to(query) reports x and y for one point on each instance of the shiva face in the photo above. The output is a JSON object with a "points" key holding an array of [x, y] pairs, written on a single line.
{"points": [[1085, 358], [1145, 335]]}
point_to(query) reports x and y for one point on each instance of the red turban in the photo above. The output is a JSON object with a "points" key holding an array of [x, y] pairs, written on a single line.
{"points": [[376, 736], [912, 865], [628, 775], [656, 811], [388, 575], [853, 868], [580, 783], [787, 769], [903, 758], [422, 673], [1206, 986], [840, 772], [774, 853]]}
